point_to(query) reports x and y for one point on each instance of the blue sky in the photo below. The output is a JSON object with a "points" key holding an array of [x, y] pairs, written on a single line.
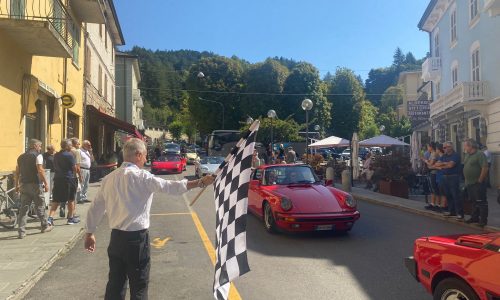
{"points": [[358, 34]]}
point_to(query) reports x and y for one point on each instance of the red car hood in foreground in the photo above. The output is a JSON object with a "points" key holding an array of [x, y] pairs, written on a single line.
{"points": [[309, 198]]}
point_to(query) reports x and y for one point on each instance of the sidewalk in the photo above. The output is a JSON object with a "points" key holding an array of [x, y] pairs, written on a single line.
{"points": [[24, 262], [416, 204]]}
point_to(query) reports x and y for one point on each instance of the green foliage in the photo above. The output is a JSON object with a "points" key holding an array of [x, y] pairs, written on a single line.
{"points": [[391, 98], [347, 97], [368, 121], [283, 131], [393, 126], [176, 129], [156, 116]]}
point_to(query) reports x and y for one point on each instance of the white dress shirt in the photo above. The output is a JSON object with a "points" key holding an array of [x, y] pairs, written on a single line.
{"points": [[126, 195], [86, 161]]}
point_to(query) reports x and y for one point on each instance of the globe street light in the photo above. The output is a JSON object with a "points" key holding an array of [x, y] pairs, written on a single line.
{"points": [[271, 114], [382, 128], [249, 120], [307, 105], [200, 75]]}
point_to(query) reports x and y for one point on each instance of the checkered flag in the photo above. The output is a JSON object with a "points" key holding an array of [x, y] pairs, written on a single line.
{"points": [[231, 200]]}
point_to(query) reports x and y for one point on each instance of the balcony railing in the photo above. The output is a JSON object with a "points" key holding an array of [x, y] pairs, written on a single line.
{"points": [[492, 7], [463, 93], [431, 68], [17, 14]]}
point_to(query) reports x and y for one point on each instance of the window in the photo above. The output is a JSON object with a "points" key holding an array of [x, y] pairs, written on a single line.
{"points": [[438, 89], [88, 64], [453, 26], [112, 100], [475, 66], [99, 84], [106, 88], [75, 34], [454, 75], [473, 10], [436, 45]]}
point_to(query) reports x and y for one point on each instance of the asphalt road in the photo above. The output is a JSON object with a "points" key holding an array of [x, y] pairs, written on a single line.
{"points": [[365, 264]]}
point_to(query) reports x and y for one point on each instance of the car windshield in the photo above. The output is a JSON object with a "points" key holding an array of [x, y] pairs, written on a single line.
{"points": [[212, 160], [172, 147], [169, 158], [288, 175]]}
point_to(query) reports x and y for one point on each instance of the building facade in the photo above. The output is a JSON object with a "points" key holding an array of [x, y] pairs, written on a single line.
{"points": [[129, 102], [464, 68], [410, 82], [41, 58]]}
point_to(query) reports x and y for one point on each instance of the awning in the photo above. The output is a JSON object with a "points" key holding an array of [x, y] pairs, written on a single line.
{"points": [[115, 123], [382, 141], [331, 141]]}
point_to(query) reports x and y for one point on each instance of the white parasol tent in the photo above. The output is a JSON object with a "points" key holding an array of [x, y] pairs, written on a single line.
{"points": [[382, 141], [332, 141]]}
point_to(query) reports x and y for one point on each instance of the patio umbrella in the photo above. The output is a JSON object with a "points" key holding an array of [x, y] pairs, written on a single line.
{"points": [[332, 141], [355, 158], [382, 141], [415, 151]]}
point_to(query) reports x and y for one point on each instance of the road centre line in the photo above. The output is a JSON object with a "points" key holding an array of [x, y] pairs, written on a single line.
{"points": [[233, 292]]}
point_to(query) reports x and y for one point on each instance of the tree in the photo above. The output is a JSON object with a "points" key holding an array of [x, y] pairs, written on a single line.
{"points": [[175, 129], [283, 131], [393, 126], [346, 96], [391, 98], [367, 121], [410, 59], [398, 58]]}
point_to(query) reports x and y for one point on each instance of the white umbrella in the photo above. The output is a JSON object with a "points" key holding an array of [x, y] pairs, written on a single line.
{"points": [[382, 141], [355, 158], [332, 141], [415, 151]]}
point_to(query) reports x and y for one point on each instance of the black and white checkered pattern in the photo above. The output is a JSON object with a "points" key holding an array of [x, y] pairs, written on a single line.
{"points": [[231, 200]]}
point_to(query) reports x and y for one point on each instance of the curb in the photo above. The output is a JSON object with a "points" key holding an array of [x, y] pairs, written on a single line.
{"points": [[424, 213], [26, 286]]}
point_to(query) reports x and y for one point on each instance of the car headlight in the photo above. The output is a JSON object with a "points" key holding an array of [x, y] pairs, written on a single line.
{"points": [[286, 204], [350, 201]]}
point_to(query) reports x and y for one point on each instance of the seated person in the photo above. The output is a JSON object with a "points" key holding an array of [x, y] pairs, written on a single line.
{"points": [[270, 178], [293, 177]]}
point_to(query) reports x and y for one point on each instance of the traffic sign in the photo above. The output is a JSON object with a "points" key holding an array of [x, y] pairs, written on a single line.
{"points": [[68, 100]]}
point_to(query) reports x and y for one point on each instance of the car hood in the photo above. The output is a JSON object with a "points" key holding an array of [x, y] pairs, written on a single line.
{"points": [[211, 167], [310, 198], [471, 240]]}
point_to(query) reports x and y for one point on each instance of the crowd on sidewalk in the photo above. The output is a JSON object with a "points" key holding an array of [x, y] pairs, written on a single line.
{"points": [[69, 181]]}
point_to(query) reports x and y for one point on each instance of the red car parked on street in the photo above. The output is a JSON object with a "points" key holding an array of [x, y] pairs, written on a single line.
{"points": [[169, 163], [292, 198], [458, 267]]}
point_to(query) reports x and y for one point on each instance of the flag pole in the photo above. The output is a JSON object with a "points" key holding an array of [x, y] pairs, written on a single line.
{"points": [[228, 157]]}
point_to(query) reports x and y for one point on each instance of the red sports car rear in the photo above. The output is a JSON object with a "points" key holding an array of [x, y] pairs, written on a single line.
{"points": [[168, 163]]}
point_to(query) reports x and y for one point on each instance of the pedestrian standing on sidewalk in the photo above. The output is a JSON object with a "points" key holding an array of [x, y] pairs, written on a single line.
{"points": [[65, 183], [291, 156], [77, 153], [475, 173], [86, 161], [440, 182], [430, 161], [125, 196], [450, 164], [48, 160], [27, 178]]}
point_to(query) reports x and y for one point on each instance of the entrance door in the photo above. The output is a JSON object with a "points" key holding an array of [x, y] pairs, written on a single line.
{"points": [[35, 125]]}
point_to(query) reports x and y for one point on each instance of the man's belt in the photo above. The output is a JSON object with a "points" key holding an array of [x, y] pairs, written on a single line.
{"points": [[84, 168]]}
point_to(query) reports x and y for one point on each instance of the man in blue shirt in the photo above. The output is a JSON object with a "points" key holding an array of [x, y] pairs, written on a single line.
{"points": [[450, 165]]}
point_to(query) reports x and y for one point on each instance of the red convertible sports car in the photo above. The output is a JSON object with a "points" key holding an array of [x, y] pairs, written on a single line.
{"points": [[168, 163], [459, 267], [291, 198]]}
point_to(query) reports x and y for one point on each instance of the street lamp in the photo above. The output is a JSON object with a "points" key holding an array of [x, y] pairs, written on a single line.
{"points": [[382, 128], [220, 103], [200, 75], [249, 120], [271, 114], [307, 105]]}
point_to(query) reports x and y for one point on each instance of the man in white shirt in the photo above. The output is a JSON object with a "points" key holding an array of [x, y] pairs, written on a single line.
{"points": [[125, 196], [86, 161]]}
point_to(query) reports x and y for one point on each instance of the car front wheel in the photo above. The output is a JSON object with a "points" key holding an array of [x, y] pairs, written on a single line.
{"points": [[269, 222], [454, 288]]}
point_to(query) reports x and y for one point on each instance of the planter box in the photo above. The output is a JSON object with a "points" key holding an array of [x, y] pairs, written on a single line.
{"points": [[394, 188]]}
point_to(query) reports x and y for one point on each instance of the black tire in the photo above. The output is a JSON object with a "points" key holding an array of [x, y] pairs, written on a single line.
{"points": [[269, 222], [454, 287], [8, 218]]}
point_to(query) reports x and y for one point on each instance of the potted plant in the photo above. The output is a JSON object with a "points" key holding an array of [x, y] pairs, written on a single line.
{"points": [[391, 172]]}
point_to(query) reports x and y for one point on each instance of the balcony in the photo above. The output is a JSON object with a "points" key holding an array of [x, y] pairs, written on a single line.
{"points": [[136, 96], [492, 7], [431, 69], [89, 11], [40, 27], [462, 95]]}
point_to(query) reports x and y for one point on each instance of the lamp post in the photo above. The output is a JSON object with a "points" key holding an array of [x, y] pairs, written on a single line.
{"points": [[307, 105], [271, 114], [249, 120], [220, 103]]}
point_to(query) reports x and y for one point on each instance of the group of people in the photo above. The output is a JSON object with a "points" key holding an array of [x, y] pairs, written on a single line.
{"points": [[69, 181], [281, 156], [445, 173]]}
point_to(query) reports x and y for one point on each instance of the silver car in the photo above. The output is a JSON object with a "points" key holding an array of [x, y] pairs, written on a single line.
{"points": [[207, 165]]}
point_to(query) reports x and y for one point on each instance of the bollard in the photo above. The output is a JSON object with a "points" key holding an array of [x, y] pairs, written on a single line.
{"points": [[346, 180], [329, 176]]}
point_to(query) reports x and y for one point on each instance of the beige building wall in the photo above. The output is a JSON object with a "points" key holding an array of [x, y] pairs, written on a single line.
{"points": [[411, 82]]}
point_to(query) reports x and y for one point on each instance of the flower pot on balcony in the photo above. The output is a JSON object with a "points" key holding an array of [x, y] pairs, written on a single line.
{"points": [[397, 188]]}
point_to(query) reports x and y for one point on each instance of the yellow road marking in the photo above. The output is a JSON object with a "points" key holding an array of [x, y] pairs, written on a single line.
{"points": [[233, 292], [172, 214], [159, 243]]}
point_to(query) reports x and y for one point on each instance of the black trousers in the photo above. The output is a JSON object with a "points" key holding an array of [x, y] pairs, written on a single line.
{"points": [[129, 258], [478, 196]]}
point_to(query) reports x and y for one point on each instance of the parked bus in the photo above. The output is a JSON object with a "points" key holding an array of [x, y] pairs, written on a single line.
{"points": [[220, 142]]}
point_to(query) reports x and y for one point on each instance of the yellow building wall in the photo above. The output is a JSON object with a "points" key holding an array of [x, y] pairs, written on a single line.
{"points": [[14, 64]]}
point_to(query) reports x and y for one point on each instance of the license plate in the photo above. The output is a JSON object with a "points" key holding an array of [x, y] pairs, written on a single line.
{"points": [[324, 227]]}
